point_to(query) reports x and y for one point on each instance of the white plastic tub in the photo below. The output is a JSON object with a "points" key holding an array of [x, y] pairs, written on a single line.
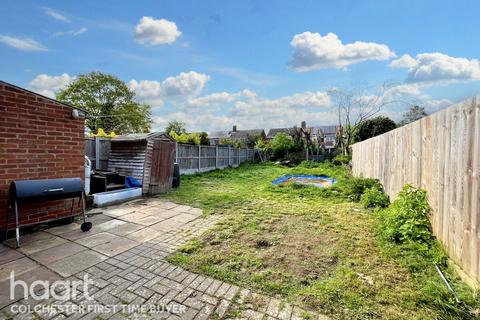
{"points": [[104, 199]]}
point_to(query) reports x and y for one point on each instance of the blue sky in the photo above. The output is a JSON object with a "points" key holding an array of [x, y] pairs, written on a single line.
{"points": [[263, 64]]}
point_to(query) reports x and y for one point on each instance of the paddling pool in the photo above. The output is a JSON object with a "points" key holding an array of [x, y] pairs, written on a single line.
{"points": [[317, 181]]}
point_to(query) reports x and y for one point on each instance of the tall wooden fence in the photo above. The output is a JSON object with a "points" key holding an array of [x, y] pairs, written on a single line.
{"points": [[441, 154], [192, 159], [187, 156]]}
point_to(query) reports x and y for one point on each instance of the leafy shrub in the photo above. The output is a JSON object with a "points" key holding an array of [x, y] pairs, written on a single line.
{"points": [[355, 187], [341, 160], [374, 198], [406, 220], [281, 144]]}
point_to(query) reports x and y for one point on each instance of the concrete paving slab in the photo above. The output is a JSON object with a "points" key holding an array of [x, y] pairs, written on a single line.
{"points": [[8, 296], [125, 229], [143, 235], [118, 211], [77, 262], [28, 238], [166, 214], [48, 256], [166, 205], [109, 225], [114, 247], [97, 239], [133, 217], [32, 247], [63, 229], [184, 217], [167, 225], [7, 254], [20, 266], [182, 208], [149, 220]]}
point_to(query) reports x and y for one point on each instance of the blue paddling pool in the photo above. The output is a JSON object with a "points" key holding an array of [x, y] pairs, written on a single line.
{"points": [[317, 181]]}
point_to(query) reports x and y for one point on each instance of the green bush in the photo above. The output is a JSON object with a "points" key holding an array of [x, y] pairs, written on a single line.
{"points": [[374, 198], [355, 187], [281, 144], [406, 220], [341, 160]]}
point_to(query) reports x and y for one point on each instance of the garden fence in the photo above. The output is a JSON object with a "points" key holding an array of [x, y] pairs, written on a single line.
{"points": [[441, 154], [196, 158]]}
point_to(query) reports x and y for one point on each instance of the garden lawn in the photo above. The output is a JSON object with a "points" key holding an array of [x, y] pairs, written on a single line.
{"points": [[310, 246]]}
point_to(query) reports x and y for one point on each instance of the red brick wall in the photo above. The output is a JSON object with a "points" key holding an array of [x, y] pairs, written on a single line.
{"points": [[39, 139]]}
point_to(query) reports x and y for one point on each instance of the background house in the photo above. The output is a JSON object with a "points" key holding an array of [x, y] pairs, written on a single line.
{"points": [[273, 132], [40, 138], [242, 136], [325, 136]]}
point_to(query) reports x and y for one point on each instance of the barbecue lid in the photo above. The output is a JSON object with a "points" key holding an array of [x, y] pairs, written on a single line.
{"points": [[46, 189]]}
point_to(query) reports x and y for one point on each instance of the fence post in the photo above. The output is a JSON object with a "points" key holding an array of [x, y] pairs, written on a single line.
{"points": [[97, 153], [229, 156], [216, 156], [176, 152], [199, 160]]}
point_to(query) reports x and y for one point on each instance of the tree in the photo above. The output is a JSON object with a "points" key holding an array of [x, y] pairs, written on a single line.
{"points": [[281, 144], [415, 113], [353, 107], [109, 103], [374, 127], [176, 126]]}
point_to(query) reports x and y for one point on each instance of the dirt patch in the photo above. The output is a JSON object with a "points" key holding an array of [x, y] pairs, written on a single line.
{"points": [[294, 244]]}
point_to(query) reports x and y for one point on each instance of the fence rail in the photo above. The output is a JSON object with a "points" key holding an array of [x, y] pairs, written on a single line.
{"points": [[196, 158], [441, 154]]}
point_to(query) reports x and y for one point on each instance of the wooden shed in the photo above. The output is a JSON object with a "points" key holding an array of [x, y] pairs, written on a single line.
{"points": [[147, 157]]}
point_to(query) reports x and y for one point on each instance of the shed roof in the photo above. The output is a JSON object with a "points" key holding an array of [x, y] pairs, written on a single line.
{"points": [[141, 136], [218, 134]]}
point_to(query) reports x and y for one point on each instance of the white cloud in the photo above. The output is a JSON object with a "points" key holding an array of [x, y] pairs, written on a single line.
{"points": [[72, 33], [313, 51], [150, 31], [438, 67], [49, 85], [184, 85], [55, 14], [405, 61], [25, 44], [211, 99]]}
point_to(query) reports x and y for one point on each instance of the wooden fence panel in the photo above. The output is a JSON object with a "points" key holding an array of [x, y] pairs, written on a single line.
{"points": [[440, 153], [211, 157]]}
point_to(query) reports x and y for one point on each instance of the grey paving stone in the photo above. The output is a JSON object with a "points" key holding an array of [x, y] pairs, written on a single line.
{"points": [[50, 255], [29, 248], [98, 239], [7, 254], [143, 235], [125, 229], [114, 247], [104, 226], [19, 266], [77, 262]]}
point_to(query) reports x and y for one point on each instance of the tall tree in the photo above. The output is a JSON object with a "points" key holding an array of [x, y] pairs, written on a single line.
{"points": [[415, 113], [176, 126], [354, 106], [374, 127], [109, 102]]}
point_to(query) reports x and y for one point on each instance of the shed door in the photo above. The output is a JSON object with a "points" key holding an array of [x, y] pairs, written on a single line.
{"points": [[161, 174]]}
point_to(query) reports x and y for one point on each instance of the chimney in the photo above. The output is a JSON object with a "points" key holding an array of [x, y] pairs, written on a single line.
{"points": [[304, 125], [234, 128]]}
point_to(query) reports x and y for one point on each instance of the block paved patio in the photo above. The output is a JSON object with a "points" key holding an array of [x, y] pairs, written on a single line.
{"points": [[125, 256]]}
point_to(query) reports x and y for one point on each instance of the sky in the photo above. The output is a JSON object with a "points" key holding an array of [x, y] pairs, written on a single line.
{"points": [[254, 64]]}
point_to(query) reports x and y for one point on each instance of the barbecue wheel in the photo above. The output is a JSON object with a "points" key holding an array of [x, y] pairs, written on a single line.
{"points": [[86, 226]]}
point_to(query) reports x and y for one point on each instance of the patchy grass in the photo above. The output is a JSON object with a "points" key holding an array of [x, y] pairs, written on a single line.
{"points": [[311, 246]]}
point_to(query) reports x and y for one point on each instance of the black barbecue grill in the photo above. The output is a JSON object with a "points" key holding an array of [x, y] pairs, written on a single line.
{"points": [[28, 191]]}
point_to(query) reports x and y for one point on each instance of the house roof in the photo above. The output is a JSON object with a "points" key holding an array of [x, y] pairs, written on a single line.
{"points": [[274, 131], [218, 134], [141, 136], [239, 134], [325, 129], [40, 95]]}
